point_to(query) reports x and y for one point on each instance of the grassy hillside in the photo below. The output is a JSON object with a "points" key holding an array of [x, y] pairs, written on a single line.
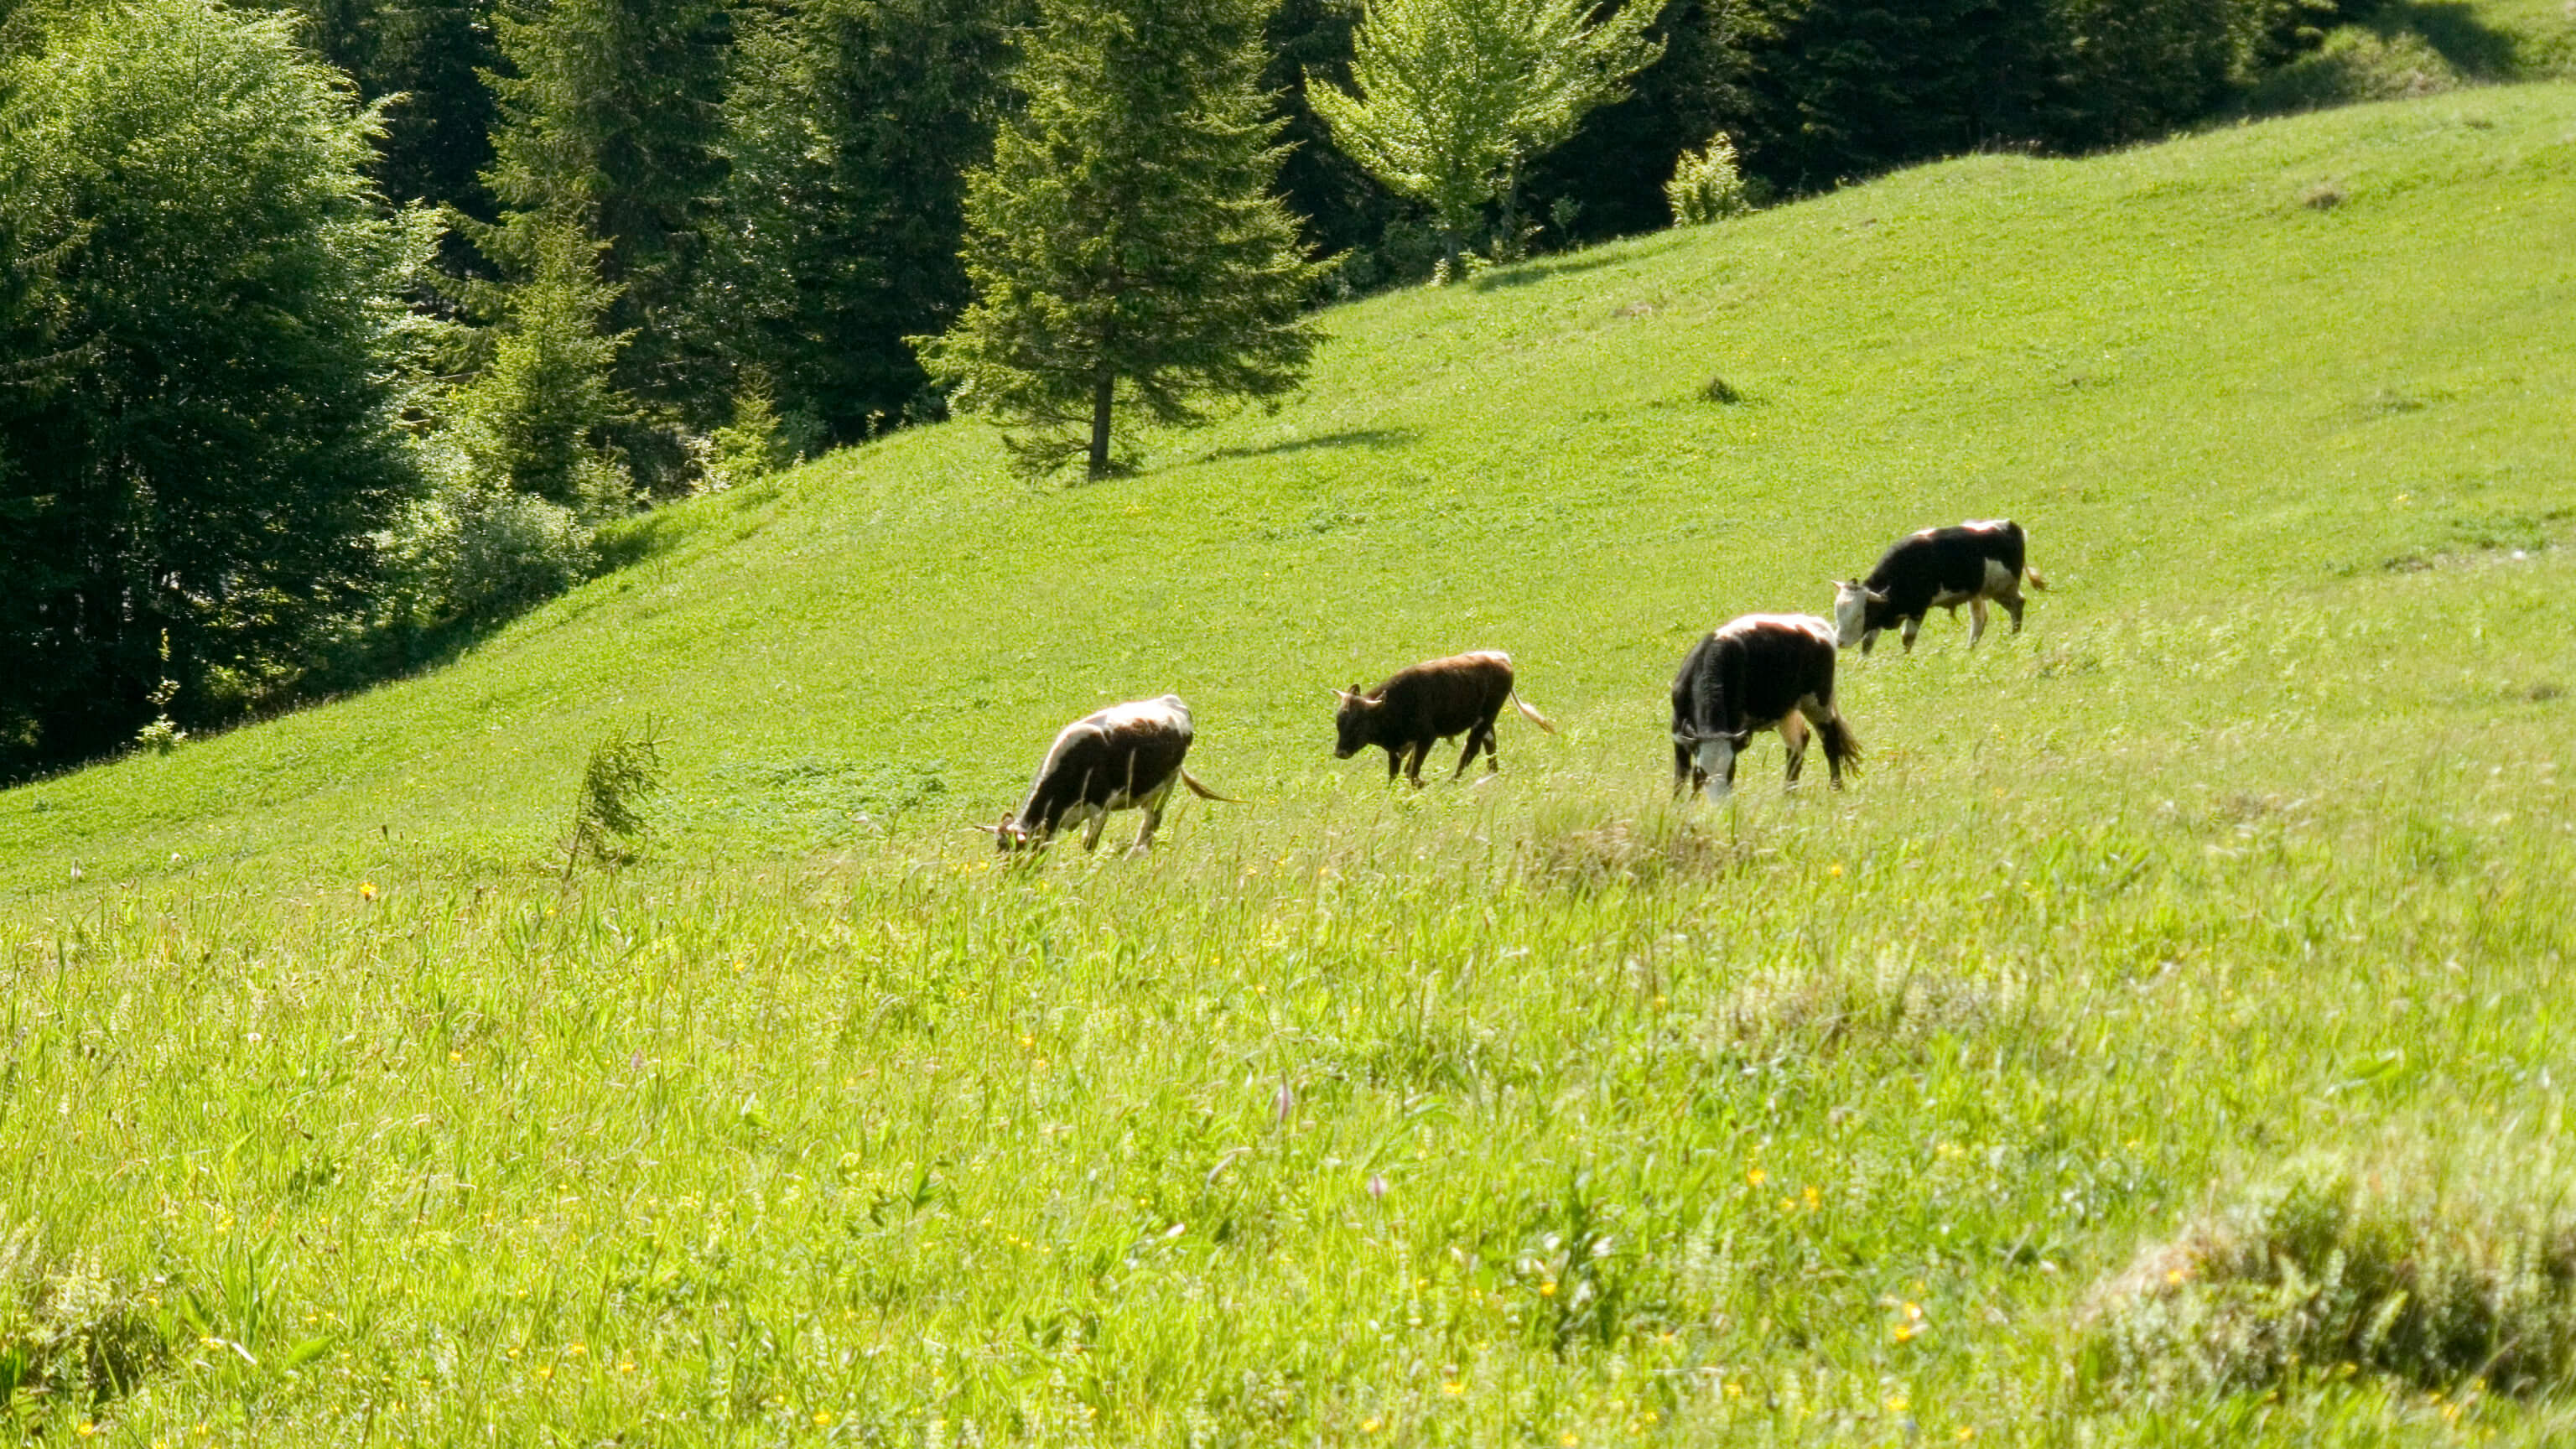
{"points": [[2091, 347], [2222, 912]]}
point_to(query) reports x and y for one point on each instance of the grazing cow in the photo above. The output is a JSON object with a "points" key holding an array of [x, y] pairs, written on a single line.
{"points": [[1127, 756], [1759, 672], [1938, 568], [1427, 703]]}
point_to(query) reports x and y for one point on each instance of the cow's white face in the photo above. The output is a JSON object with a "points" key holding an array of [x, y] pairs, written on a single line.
{"points": [[1715, 758], [1851, 612]]}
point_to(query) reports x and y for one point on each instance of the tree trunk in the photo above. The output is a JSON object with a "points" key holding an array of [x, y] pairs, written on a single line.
{"points": [[1103, 387], [1449, 241]]}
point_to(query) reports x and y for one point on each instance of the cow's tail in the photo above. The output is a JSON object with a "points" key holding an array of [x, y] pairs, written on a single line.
{"points": [[1842, 747], [1203, 792], [2036, 581], [1527, 713]]}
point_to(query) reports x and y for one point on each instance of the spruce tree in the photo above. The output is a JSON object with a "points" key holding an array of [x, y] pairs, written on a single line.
{"points": [[608, 119], [1124, 244], [849, 127], [421, 58]]}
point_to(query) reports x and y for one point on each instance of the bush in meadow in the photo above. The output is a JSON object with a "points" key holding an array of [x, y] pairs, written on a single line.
{"points": [[1707, 185]]}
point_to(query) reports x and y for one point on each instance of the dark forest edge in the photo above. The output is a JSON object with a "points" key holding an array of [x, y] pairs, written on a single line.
{"points": [[339, 334]]}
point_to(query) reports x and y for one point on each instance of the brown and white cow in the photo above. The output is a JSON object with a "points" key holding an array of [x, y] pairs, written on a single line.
{"points": [[1127, 756], [1937, 568], [1758, 672], [1426, 703]]}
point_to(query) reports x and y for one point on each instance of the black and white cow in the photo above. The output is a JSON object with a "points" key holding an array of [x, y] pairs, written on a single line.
{"points": [[1759, 672], [1425, 703], [1938, 568], [1127, 756]]}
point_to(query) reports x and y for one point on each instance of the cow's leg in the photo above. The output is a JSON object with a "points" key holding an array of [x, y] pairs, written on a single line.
{"points": [[1091, 829], [1976, 619], [1829, 727], [1413, 763], [1394, 761], [1793, 739], [1682, 769], [1911, 626], [1467, 756], [1868, 641], [2012, 603], [1153, 804]]}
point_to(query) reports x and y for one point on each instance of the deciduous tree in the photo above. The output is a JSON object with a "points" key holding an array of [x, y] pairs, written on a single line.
{"points": [[200, 401], [1451, 98]]}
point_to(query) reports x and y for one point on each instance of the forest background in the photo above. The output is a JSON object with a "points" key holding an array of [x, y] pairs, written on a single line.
{"points": [[332, 335]]}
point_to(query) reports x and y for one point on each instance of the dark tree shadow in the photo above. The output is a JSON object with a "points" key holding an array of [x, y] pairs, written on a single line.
{"points": [[1370, 438], [2454, 29], [633, 540], [1521, 274]]}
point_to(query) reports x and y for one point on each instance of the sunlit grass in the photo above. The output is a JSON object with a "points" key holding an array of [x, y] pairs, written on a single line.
{"points": [[1538, 1111]]}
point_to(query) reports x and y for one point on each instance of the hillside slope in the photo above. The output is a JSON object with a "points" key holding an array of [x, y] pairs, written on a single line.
{"points": [[2164, 1041], [2257, 364]]}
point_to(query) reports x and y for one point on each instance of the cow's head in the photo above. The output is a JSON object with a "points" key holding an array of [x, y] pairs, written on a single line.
{"points": [[1713, 755], [1852, 602], [1351, 721], [1010, 835]]}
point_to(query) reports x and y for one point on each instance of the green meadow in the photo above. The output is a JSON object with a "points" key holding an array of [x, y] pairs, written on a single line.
{"points": [[2163, 1040]]}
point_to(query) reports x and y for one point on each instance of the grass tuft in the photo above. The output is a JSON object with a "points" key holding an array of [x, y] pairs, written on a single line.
{"points": [[1584, 853], [2338, 1267], [68, 1334]]}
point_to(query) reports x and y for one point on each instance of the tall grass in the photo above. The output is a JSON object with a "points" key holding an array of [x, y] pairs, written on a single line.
{"points": [[1534, 1111]]}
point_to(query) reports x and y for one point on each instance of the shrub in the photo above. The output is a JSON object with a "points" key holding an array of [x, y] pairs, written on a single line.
{"points": [[474, 554], [2352, 65], [755, 444], [2384, 1268], [1707, 185], [608, 814]]}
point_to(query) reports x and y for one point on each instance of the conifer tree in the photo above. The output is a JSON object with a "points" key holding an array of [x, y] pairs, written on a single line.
{"points": [[1451, 98], [608, 120], [1124, 244], [420, 57], [535, 421], [849, 127]]}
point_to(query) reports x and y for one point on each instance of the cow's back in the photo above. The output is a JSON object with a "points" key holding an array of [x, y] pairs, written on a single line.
{"points": [[1123, 751], [1943, 561], [1440, 697], [1752, 671]]}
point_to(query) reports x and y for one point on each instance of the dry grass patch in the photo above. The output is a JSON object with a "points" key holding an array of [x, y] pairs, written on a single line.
{"points": [[2390, 1266]]}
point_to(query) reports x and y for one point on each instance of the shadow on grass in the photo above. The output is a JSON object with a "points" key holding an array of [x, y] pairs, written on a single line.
{"points": [[1370, 438], [629, 541], [2455, 30], [1521, 274]]}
